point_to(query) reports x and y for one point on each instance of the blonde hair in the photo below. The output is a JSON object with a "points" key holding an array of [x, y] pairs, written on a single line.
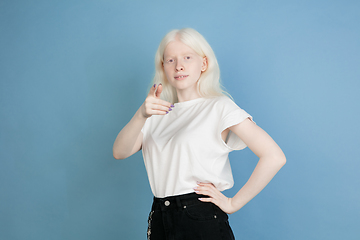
{"points": [[208, 84]]}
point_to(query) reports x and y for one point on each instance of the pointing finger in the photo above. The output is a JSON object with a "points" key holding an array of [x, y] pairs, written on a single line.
{"points": [[159, 90]]}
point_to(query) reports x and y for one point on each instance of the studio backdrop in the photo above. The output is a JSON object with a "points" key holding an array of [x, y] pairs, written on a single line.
{"points": [[73, 73]]}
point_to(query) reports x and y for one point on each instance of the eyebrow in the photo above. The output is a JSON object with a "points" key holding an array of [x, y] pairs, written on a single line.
{"points": [[187, 53]]}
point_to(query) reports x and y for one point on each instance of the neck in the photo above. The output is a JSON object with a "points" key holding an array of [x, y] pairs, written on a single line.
{"points": [[184, 96]]}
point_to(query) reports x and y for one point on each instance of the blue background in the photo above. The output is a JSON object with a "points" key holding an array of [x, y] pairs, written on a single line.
{"points": [[74, 72]]}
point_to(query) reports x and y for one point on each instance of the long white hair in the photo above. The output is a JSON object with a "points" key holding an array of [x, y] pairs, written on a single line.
{"points": [[208, 84]]}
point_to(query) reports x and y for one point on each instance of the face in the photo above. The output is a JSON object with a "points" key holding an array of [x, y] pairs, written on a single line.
{"points": [[183, 66]]}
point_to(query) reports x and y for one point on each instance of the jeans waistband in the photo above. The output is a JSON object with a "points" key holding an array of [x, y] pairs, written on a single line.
{"points": [[179, 201]]}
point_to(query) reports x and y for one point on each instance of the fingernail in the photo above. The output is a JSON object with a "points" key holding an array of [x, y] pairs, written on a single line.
{"points": [[154, 85], [172, 106], [200, 199], [160, 84], [170, 109], [197, 182], [167, 112], [195, 188]]}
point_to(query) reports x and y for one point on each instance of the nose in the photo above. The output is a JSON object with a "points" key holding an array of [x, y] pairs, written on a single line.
{"points": [[179, 67]]}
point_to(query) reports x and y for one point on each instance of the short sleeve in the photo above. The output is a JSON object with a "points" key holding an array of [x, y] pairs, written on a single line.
{"points": [[233, 115]]}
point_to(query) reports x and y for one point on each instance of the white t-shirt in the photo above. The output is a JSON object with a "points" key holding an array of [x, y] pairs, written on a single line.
{"points": [[185, 146]]}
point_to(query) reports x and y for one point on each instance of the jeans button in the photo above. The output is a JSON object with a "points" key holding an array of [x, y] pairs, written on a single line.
{"points": [[167, 203]]}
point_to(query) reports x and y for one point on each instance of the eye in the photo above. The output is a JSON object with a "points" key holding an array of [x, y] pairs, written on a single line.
{"points": [[187, 57], [170, 60]]}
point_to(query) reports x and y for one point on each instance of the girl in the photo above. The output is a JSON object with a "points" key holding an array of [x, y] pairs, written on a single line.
{"points": [[186, 128]]}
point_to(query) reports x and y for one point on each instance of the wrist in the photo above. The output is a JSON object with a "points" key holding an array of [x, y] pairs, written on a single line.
{"points": [[233, 207], [237, 202], [141, 114]]}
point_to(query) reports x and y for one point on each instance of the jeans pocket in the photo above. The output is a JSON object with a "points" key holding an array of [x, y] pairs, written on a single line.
{"points": [[201, 211]]}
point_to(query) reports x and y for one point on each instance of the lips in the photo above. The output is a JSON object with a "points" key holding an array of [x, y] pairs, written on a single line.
{"points": [[180, 77]]}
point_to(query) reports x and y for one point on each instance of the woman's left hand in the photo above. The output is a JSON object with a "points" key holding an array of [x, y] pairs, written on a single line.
{"points": [[215, 196]]}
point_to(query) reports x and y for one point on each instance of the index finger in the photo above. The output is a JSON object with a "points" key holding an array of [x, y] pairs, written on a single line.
{"points": [[206, 184]]}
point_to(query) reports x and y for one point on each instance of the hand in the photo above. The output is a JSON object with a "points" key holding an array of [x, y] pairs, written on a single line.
{"points": [[153, 105], [215, 196]]}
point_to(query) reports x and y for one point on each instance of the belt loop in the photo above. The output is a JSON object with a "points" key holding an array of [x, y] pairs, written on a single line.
{"points": [[178, 203]]}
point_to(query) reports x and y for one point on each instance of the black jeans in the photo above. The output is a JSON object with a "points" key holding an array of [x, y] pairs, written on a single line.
{"points": [[184, 217]]}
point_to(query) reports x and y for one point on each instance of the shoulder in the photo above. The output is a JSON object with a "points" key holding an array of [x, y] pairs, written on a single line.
{"points": [[223, 102], [227, 109]]}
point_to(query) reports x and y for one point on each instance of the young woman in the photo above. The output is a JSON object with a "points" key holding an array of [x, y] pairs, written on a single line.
{"points": [[186, 128]]}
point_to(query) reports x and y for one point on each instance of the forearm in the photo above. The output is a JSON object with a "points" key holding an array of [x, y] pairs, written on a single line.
{"points": [[271, 160], [264, 171], [127, 138]]}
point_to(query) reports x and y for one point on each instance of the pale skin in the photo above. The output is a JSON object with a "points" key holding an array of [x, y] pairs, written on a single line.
{"points": [[183, 67]]}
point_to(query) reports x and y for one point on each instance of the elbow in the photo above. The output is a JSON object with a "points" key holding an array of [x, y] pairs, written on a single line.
{"points": [[277, 160], [119, 153], [118, 156], [281, 159]]}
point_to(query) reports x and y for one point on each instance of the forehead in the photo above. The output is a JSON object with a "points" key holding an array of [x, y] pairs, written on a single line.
{"points": [[178, 48]]}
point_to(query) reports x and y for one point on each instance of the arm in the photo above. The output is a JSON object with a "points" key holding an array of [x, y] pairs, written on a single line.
{"points": [[271, 160], [129, 139]]}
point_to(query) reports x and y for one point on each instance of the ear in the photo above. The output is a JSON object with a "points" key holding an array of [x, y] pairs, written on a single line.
{"points": [[204, 64]]}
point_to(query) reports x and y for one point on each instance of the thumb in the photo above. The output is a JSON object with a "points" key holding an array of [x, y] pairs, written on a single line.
{"points": [[159, 90], [152, 90]]}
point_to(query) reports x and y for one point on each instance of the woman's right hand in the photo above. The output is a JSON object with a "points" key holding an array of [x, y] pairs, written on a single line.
{"points": [[153, 105]]}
